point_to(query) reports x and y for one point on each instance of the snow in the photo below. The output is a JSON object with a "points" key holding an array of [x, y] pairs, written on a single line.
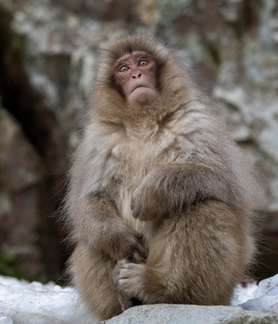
{"points": [[264, 297], [34, 303], [242, 294]]}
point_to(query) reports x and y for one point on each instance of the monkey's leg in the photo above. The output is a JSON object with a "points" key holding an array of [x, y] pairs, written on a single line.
{"points": [[92, 277], [196, 257]]}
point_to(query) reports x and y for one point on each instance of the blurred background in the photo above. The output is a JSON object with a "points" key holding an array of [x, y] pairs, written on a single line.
{"points": [[47, 52]]}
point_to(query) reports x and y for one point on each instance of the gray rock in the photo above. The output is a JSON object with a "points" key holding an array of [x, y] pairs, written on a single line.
{"points": [[21, 175], [191, 314]]}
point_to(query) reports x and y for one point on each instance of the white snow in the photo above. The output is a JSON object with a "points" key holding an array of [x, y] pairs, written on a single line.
{"points": [[265, 297], [34, 303], [242, 294]]}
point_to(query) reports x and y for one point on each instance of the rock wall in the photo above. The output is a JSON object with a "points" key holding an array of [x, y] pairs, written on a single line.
{"points": [[231, 46]]}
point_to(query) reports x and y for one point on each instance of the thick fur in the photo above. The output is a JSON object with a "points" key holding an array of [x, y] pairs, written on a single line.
{"points": [[161, 200]]}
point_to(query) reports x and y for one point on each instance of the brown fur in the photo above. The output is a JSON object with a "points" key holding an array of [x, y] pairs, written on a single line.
{"points": [[161, 200]]}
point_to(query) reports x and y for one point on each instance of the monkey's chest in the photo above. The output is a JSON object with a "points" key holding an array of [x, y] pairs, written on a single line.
{"points": [[131, 163], [133, 157]]}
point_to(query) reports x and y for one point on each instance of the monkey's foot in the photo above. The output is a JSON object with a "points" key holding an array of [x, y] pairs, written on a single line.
{"points": [[138, 281], [127, 277]]}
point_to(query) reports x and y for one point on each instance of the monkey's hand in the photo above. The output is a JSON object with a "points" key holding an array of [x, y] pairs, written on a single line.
{"points": [[148, 200], [126, 244], [105, 231]]}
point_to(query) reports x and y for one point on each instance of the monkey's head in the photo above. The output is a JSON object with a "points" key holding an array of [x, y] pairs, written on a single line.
{"points": [[139, 75]]}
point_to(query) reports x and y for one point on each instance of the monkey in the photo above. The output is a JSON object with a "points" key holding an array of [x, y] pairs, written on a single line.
{"points": [[161, 199]]}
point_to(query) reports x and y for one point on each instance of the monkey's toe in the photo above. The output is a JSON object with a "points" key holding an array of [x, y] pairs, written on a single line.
{"points": [[127, 277]]}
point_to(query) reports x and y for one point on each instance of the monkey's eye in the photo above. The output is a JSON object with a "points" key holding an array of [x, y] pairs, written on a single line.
{"points": [[143, 62], [123, 68]]}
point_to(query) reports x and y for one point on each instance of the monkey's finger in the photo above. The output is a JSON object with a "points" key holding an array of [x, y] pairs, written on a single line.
{"points": [[139, 235], [138, 257]]}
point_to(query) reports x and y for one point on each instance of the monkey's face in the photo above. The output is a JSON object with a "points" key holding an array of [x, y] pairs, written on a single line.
{"points": [[136, 75]]}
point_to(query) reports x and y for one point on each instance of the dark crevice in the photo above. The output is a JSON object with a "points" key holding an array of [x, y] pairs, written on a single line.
{"points": [[40, 126]]}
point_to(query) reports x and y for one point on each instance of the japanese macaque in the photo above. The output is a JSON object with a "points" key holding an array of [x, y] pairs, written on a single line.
{"points": [[161, 200]]}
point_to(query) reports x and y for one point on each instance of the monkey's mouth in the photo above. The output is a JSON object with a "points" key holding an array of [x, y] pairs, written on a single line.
{"points": [[140, 86]]}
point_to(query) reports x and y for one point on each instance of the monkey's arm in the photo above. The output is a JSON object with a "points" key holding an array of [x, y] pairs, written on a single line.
{"points": [[174, 188], [100, 226]]}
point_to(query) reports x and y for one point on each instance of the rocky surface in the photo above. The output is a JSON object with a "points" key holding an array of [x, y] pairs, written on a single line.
{"points": [[21, 176], [185, 314], [33, 303]]}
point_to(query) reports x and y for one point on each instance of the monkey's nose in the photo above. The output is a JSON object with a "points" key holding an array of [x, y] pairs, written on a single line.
{"points": [[137, 75]]}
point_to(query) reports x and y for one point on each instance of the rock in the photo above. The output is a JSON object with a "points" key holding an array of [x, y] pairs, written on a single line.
{"points": [[21, 175], [191, 314], [21, 165]]}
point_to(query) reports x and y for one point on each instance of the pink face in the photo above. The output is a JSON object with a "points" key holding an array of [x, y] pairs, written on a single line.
{"points": [[135, 73]]}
